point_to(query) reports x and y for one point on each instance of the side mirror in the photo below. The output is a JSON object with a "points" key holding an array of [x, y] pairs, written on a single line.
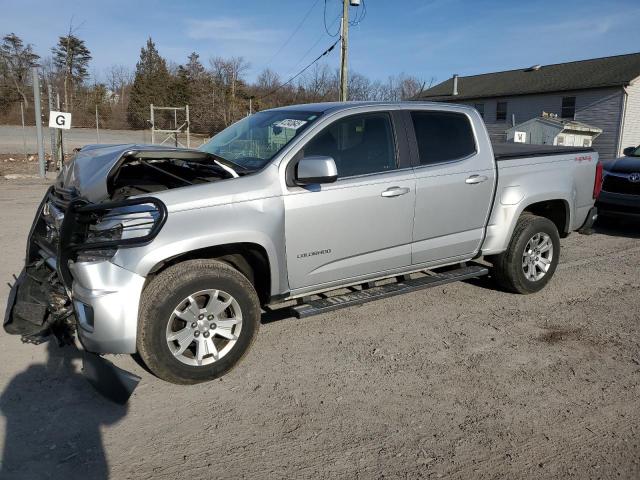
{"points": [[316, 169], [630, 151]]}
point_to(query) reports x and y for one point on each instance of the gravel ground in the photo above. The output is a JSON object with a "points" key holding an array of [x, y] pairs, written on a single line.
{"points": [[461, 381]]}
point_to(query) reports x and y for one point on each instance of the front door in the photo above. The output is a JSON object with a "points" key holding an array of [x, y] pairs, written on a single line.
{"points": [[361, 224]]}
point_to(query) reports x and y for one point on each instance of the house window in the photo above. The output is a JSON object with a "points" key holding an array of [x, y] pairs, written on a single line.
{"points": [[480, 108], [568, 107], [501, 111]]}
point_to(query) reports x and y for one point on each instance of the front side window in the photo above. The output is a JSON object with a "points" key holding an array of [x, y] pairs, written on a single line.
{"points": [[568, 107], [360, 144], [443, 136], [501, 111], [257, 139]]}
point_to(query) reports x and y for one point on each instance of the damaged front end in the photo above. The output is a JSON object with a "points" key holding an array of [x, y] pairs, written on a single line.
{"points": [[100, 204], [39, 303], [68, 231]]}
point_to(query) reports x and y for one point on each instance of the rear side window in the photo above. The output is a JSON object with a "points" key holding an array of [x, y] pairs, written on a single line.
{"points": [[359, 144], [443, 136]]}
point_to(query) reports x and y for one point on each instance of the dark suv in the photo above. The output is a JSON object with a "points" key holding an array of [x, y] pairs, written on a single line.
{"points": [[620, 194]]}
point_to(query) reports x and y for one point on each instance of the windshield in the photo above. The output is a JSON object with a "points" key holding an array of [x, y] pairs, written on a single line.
{"points": [[255, 140]]}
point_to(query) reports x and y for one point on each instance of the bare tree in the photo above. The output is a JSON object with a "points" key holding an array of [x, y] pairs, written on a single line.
{"points": [[119, 77]]}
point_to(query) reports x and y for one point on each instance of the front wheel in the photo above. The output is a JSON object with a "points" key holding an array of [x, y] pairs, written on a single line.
{"points": [[531, 257], [197, 321]]}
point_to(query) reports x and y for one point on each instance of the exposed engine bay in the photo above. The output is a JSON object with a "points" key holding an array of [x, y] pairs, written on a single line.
{"points": [[147, 172], [99, 173]]}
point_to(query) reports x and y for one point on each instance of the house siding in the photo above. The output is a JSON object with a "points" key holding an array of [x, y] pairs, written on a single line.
{"points": [[600, 108], [631, 129]]}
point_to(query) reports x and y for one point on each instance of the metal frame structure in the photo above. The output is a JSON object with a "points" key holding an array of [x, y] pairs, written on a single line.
{"points": [[171, 134]]}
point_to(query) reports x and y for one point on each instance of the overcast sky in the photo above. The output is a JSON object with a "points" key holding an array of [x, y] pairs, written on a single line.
{"points": [[428, 38]]}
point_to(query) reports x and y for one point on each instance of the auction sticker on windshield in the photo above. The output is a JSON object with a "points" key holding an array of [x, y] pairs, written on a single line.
{"points": [[290, 123]]}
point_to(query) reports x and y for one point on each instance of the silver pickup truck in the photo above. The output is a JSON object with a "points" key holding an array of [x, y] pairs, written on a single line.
{"points": [[174, 253]]}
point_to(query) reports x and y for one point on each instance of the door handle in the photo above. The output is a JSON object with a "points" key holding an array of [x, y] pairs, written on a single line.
{"points": [[395, 191], [474, 179]]}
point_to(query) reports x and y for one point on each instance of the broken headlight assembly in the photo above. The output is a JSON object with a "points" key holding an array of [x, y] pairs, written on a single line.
{"points": [[93, 232]]}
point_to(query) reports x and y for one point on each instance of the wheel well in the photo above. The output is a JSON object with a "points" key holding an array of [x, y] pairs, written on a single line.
{"points": [[248, 258], [555, 210]]}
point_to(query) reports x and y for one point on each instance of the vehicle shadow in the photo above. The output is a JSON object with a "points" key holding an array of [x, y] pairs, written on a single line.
{"points": [[271, 315], [53, 419], [617, 227]]}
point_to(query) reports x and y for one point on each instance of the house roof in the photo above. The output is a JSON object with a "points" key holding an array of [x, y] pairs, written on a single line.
{"points": [[595, 73]]}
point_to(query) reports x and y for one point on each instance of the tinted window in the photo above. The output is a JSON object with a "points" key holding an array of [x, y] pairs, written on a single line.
{"points": [[568, 107], [443, 136], [359, 144], [501, 111]]}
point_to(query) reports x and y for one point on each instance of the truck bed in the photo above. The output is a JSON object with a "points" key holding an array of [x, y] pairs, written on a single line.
{"points": [[508, 151]]}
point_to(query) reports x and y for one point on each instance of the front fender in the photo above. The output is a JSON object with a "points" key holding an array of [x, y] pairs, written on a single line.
{"points": [[260, 222]]}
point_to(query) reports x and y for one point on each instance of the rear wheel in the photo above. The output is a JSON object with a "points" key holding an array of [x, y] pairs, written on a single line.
{"points": [[197, 321], [531, 258]]}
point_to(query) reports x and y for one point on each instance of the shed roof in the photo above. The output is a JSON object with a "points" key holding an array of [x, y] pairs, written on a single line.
{"points": [[603, 72], [562, 124]]}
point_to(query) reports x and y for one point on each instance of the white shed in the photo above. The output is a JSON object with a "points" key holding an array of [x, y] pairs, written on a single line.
{"points": [[551, 130]]}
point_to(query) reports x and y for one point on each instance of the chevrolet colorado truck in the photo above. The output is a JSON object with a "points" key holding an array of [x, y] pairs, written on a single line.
{"points": [[174, 253]]}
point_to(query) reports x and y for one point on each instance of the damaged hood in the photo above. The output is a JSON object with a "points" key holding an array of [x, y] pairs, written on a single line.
{"points": [[89, 170]]}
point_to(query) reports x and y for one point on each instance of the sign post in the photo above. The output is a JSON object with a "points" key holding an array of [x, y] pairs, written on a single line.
{"points": [[60, 121]]}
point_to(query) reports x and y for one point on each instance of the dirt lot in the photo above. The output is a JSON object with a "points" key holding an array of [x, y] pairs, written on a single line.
{"points": [[457, 382]]}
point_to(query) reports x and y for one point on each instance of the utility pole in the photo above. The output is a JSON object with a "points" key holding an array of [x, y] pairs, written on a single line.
{"points": [[344, 30]]}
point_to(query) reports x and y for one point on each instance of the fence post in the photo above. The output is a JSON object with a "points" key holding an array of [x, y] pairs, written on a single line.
{"points": [[188, 127], [24, 134], [38, 115], [97, 128], [153, 137]]}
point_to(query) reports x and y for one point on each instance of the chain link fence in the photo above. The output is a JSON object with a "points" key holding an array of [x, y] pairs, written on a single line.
{"points": [[103, 122]]}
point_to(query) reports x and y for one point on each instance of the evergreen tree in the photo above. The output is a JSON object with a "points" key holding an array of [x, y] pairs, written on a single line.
{"points": [[16, 60], [71, 57], [152, 84]]}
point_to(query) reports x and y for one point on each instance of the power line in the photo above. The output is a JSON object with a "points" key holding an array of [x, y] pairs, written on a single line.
{"points": [[304, 19], [315, 44], [324, 18], [326, 52]]}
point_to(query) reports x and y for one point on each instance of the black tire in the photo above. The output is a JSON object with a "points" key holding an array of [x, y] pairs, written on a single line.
{"points": [[507, 267], [166, 291]]}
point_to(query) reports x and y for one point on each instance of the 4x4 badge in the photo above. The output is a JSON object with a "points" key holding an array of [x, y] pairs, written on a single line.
{"points": [[634, 177]]}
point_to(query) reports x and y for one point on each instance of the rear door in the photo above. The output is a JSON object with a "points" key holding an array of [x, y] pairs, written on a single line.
{"points": [[362, 224], [455, 181]]}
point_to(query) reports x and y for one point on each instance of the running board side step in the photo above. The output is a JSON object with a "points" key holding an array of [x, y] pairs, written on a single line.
{"points": [[403, 285]]}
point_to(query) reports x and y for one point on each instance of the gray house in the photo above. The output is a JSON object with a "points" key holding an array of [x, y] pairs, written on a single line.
{"points": [[603, 92]]}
